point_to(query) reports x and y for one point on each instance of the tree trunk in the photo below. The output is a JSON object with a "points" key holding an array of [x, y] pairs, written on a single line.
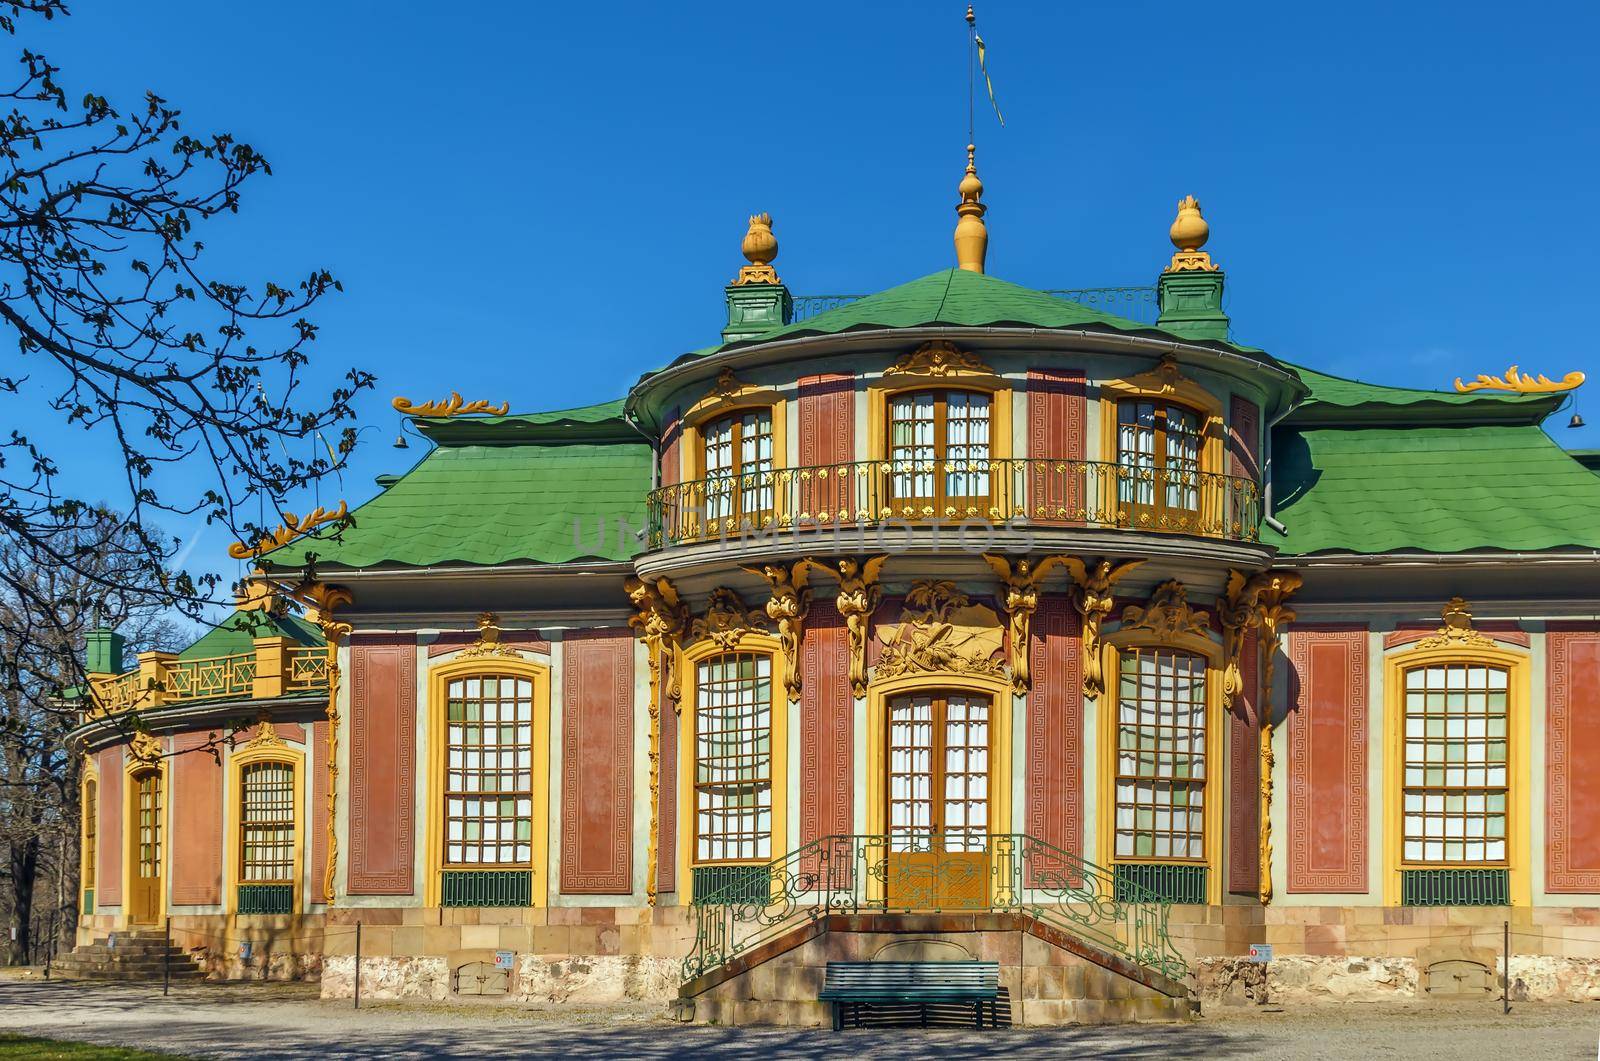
{"points": [[24, 871]]}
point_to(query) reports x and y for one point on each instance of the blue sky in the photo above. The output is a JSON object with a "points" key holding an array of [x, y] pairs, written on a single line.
{"points": [[538, 202]]}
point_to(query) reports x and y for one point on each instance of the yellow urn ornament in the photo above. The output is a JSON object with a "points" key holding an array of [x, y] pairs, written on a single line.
{"points": [[760, 248], [1189, 233]]}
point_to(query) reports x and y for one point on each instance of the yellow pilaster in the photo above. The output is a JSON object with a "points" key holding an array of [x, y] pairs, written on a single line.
{"points": [[152, 691], [272, 664]]}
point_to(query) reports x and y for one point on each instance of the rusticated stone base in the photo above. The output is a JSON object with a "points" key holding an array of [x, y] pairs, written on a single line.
{"points": [[423, 979], [1042, 981], [1539, 978], [1308, 980], [597, 979]]}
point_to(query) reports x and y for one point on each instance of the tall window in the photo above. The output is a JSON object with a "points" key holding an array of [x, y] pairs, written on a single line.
{"points": [[148, 795], [1455, 764], [266, 823], [488, 797], [1161, 755], [1158, 452], [939, 450], [738, 463], [733, 757], [939, 772], [91, 830]]}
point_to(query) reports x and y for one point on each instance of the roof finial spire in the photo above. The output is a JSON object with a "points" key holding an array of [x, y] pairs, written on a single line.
{"points": [[1189, 233], [972, 235], [760, 248]]}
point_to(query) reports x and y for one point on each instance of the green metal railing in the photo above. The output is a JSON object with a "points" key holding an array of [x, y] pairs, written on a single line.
{"points": [[743, 882], [1001, 872], [892, 493], [265, 899], [1173, 882], [486, 887], [1455, 887], [1131, 303]]}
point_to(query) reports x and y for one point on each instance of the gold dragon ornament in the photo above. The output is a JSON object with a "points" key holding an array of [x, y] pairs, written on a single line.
{"points": [[291, 528], [1021, 578], [1092, 597], [787, 606], [859, 596]]}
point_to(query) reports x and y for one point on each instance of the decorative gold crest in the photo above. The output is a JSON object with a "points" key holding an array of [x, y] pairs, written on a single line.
{"points": [[727, 620], [266, 735], [291, 528], [488, 643], [146, 748], [455, 405], [942, 631], [1457, 631], [859, 595], [787, 608], [1167, 613], [1091, 595], [1021, 578], [1521, 383], [939, 358]]}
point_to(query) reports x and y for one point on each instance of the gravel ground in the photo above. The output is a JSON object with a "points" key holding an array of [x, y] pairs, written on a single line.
{"points": [[269, 1021]]}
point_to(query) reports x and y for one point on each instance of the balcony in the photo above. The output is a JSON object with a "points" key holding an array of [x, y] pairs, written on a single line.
{"points": [[275, 667], [1018, 491]]}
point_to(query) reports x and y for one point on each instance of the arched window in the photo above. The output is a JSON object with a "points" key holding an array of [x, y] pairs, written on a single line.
{"points": [[488, 788], [266, 870], [738, 467], [1158, 455], [1160, 771], [939, 452], [91, 832], [1456, 762], [733, 757]]}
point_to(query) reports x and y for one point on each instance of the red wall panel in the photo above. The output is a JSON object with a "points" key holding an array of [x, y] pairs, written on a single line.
{"points": [[1572, 757], [1244, 777], [827, 719], [1327, 800], [1244, 431], [1057, 430], [827, 407], [1054, 778], [383, 727], [196, 801], [108, 871], [597, 762]]}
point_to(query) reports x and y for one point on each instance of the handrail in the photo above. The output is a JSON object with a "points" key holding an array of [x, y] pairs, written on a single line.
{"points": [[1034, 490], [999, 872], [307, 668], [267, 671]]}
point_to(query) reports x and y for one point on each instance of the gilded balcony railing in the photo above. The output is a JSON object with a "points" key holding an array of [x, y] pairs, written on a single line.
{"points": [[1000, 873], [1068, 493], [273, 668], [117, 692]]}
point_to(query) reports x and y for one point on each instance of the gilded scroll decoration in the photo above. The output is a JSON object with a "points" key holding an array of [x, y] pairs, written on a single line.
{"points": [[942, 631], [660, 617], [1167, 613], [146, 748], [1092, 597], [1457, 631], [727, 620], [1521, 383], [859, 595], [489, 643], [1271, 614], [1022, 577], [266, 735], [939, 358], [1238, 611], [787, 607], [455, 405], [292, 527]]}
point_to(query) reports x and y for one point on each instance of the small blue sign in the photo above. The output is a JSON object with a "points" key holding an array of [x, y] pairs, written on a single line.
{"points": [[1261, 952], [503, 959]]}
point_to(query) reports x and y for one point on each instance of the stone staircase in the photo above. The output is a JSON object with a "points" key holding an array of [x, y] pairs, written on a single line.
{"points": [[136, 955]]}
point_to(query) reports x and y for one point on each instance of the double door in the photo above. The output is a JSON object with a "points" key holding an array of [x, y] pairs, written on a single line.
{"points": [[938, 801]]}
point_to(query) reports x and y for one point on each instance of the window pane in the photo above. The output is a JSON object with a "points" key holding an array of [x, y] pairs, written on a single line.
{"points": [[1455, 763], [266, 823], [1161, 755], [733, 757], [488, 782]]}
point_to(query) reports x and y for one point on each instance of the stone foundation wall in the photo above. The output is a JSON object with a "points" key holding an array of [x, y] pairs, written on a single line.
{"points": [[283, 947], [1302, 980]]}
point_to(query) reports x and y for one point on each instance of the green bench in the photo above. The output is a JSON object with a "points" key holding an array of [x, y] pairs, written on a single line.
{"points": [[852, 985]]}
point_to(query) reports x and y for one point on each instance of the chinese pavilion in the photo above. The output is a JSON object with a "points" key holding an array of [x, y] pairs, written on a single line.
{"points": [[958, 620]]}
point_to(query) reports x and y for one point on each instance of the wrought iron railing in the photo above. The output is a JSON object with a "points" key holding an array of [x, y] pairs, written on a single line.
{"points": [[1002, 872], [1133, 303], [1070, 493]]}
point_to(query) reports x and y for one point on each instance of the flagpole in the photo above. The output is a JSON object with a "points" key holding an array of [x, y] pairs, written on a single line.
{"points": [[972, 69]]}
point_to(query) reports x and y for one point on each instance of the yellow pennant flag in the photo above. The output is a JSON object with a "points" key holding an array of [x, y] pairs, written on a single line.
{"points": [[983, 64]]}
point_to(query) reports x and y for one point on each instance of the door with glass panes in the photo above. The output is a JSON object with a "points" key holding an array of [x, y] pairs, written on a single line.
{"points": [[938, 800], [147, 847]]}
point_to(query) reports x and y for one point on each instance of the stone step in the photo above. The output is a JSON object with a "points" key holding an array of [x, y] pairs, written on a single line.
{"points": [[140, 976], [124, 963]]}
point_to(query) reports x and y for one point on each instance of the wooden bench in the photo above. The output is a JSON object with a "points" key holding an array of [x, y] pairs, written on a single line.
{"points": [[851, 985]]}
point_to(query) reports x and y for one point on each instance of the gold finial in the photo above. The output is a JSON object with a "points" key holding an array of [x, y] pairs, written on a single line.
{"points": [[1189, 233], [760, 248], [972, 236], [455, 405], [1521, 383]]}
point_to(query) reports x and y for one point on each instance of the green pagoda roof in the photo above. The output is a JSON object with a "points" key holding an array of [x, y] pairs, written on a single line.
{"points": [[957, 298], [1431, 489], [234, 634], [1334, 399]]}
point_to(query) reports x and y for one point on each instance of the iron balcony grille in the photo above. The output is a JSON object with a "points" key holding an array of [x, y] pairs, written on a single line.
{"points": [[1455, 887], [1169, 883], [486, 887], [732, 883], [265, 899], [1035, 491]]}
